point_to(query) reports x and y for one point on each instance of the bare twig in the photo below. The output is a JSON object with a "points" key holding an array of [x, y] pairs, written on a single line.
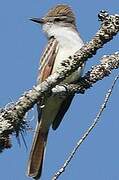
{"points": [[85, 135], [12, 118]]}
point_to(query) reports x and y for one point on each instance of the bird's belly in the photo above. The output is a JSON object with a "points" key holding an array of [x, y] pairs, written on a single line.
{"points": [[62, 55], [69, 43]]}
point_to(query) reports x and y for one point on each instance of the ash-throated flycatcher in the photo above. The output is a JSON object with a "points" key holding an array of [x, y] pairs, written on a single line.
{"points": [[63, 41]]}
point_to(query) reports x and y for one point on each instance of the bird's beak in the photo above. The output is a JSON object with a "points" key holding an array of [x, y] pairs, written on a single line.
{"points": [[37, 20]]}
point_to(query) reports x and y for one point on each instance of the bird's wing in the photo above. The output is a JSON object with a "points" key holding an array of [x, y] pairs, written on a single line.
{"points": [[47, 60], [62, 110], [46, 66]]}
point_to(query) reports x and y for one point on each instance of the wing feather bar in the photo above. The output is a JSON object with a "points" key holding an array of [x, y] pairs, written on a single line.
{"points": [[47, 60]]}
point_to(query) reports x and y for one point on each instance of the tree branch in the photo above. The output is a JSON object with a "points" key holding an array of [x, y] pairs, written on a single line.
{"points": [[12, 118], [88, 131], [98, 72]]}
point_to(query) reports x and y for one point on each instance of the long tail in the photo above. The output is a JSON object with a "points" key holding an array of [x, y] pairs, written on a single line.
{"points": [[36, 157]]}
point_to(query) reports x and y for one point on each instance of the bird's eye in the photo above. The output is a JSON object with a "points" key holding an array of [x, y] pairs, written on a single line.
{"points": [[57, 19]]}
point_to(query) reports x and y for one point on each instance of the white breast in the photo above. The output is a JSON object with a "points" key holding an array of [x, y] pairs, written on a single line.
{"points": [[69, 42]]}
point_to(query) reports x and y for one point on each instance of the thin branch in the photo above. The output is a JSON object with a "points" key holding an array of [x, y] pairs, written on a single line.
{"points": [[12, 118], [86, 134]]}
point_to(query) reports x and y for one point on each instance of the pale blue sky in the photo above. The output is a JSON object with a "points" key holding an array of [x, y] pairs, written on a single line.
{"points": [[21, 44]]}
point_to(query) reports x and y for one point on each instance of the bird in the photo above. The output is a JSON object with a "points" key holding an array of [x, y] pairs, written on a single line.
{"points": [[59, 26]]}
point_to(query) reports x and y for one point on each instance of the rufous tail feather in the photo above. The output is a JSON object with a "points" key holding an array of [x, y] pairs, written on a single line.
{"points": [[36, 157]]}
